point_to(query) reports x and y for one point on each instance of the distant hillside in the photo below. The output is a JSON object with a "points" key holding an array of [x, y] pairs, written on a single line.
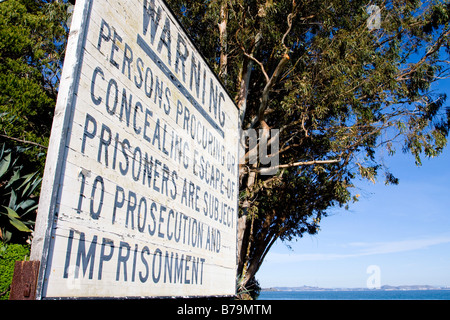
{"points": [[383, 288]]}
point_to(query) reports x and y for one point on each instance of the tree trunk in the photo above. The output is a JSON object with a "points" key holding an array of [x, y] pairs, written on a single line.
{"points": [[242, 238], [251, 252], [245, 181], [223, 35]]}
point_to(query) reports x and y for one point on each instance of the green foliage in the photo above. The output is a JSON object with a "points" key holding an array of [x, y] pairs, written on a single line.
{"points": [[18, 199], [32, 44], [9, 254], [33, 36]]}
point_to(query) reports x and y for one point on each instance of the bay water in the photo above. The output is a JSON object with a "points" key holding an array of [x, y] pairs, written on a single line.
{"points": [[357, 295]]}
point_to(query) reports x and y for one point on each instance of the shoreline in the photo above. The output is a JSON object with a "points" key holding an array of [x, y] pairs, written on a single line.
{"points": [[382, 288]]}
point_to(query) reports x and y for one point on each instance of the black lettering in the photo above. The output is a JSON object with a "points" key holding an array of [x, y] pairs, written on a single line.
{"points": [[191, 194], [140, 67], [185, 153], [161, 220], [142, 204], [168, 267], [123, 170], [184, 193], [181, 56], [213, 98], [202, 260], [127, 60], [117, 203], [130, 208], [193, 126], [96, 100], [195, 75], [148, 167], [122, 259], [81, 197], [151, 231], [186, 269], [221, 113], [148, 88], [165, 178], [158, 91], [178, 223], [169, 232], [186, 119], [125, 106], [185, 218], [156, 174], [136, 129], [102, 35], [179, 110], [155, 275], [197, 196], [133, 274], [156, 134], [149, 16], [68, 253], [104, 143], [178, 272], [135, 175], [165, 40], [111, 83], [173, 192], [168, 94], [84, 258], [164, 140], [103, 256], [145, 250], [204, 87], [88, 133], [116, 146], [114, 47], [147, 124], [95, 214], [194, 277]]}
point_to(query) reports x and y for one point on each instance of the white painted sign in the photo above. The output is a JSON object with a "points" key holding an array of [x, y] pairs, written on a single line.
{"points": [[140, 190]]}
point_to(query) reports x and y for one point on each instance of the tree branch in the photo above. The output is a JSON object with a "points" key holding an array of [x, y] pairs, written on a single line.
{"points": [[434, 48], [24, 141], [222, 25], [296, 164], [270, 81], [261, 65]]}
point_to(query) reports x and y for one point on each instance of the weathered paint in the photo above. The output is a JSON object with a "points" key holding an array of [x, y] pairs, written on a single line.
{"points": [[140, 190]]}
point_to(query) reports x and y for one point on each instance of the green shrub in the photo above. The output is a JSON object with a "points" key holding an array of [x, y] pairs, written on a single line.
{"points": [[9, 254], [18, 196]]}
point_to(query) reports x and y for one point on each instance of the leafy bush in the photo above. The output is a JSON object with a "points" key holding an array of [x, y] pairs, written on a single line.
{"points": [[18, 198], [9, 254]]}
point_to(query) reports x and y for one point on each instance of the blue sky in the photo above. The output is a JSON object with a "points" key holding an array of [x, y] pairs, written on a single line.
{"points": [[403, 230]]}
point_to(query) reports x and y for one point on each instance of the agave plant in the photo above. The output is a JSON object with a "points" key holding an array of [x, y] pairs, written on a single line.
{"points": [[18, 199]]}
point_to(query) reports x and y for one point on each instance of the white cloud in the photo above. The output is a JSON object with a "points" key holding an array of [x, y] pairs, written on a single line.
{"points": [[360, 249], [402, 245]]}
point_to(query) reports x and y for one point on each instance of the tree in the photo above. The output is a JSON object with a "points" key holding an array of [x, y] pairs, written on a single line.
{"points": [[337, 85], [33, 37], [32, 42]]}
